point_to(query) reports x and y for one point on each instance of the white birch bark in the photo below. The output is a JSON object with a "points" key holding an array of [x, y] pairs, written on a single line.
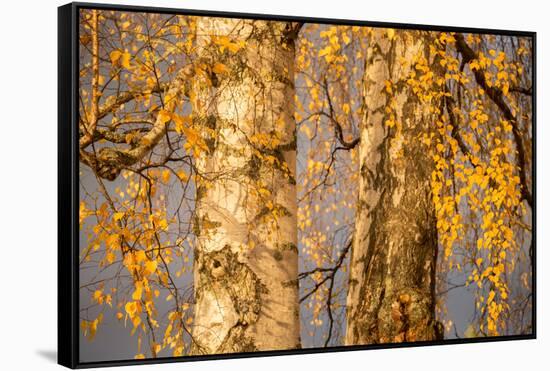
{"points": [[246, 259]]}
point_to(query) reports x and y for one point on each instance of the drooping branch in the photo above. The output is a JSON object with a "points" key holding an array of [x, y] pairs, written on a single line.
{"points": [[330, 270], [497, 96], [330, 277], [449, 107], [331, 116], [337, 126]]}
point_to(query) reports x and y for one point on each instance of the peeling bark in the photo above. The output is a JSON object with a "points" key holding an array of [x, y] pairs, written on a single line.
{"points": [[391, 294], [246, 265]]}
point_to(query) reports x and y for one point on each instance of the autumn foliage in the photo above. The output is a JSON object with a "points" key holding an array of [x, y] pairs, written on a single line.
{"points": [[215, 149]]}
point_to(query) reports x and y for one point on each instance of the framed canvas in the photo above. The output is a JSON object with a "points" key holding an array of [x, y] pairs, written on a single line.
{"points": [[237, 185]]}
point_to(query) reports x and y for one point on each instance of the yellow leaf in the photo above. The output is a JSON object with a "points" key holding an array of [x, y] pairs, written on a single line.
{"points": [[194, 141], [391, 33], [140, 256], [225, 43], [502, 75], [131, 308], [119, 315], [163, 224], [129, 137], [388, 84], [157, 348], [219, 68], [346, 108], [137, 293], [181, 122], [264, 192], [151, 266], [118, 216], [491, 297], [182, 175], [164, 116], [93, 328], [235, 47], [346, 39], [110, 257], [165, 175], [112, 241], [115, 57], [125, 60], [325, 51], [139, 356], [84, 326], [172, 316], [98, 295], [169, 297]]}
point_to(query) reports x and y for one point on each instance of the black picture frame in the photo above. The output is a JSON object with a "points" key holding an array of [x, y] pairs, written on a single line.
{"points": [[68, 190]]}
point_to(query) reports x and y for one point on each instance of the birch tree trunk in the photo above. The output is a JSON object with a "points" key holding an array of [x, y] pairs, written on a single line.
{"points": [[391, 285], [246, 260]]}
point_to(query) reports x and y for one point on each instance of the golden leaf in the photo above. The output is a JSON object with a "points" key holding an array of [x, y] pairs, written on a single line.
{"points": [[164, 116], [219, 68], [118, 216], [125, 60], [115, 57], [151, 266], [131, 308], [137, 292], [325, 51]]}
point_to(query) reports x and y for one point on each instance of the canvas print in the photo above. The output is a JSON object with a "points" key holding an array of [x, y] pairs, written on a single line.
{"points": [[250, 185]]}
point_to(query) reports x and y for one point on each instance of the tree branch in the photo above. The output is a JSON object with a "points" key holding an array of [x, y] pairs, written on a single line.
{"points": [[497, 96], [449, 106], [337, 127], [107, 108], [109, 161], [331, 270], [330, 277]]}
